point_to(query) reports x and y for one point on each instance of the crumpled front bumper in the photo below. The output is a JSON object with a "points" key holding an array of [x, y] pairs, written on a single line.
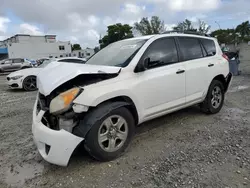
{"points": [[54, 146]]}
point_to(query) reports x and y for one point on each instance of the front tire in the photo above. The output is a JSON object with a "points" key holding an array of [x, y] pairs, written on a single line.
{"points": [[29, 83], [214, 99], [111, 132]]}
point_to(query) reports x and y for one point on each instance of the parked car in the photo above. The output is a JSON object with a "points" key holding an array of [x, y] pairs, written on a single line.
{"points": [[98, 104], [8, 65], [40, 61], [32, 61], [26, 79]]}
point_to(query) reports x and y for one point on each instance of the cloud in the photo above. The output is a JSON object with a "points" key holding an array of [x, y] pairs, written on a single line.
{"points": [[132, 8], [26, 28], [170, 27], [4, 24], [194, 5], [83, 21], [197, 17]]}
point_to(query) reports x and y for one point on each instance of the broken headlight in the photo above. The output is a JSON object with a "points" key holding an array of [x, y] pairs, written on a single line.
{"points": [[63, 102]]}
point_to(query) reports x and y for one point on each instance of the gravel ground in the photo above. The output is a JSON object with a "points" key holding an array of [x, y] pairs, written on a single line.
{"points": [[183, 149]]}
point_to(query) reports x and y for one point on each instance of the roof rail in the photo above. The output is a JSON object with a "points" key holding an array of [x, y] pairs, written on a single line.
{"points": [[186, 32]]}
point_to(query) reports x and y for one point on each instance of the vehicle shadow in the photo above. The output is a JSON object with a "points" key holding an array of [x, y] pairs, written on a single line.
{"points": [[80, 155], [168, 119]]}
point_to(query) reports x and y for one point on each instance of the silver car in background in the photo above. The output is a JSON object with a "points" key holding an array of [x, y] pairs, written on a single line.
{"points": [[14, 64]]}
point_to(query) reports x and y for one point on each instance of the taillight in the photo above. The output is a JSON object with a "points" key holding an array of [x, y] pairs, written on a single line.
{"points": [[225, 56]]}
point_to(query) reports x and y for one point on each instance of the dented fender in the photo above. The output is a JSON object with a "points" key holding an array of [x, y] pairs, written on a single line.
{"points": [[93, 96]]}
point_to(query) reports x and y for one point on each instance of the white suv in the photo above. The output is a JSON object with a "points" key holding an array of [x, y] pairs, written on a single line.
{"points": [[98, 104]]}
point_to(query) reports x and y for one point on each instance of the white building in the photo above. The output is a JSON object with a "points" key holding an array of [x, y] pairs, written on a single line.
{"points": [[33, 47], [84, 53]]}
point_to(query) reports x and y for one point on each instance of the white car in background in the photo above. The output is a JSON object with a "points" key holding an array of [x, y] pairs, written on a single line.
{"points": [[26, 78]]}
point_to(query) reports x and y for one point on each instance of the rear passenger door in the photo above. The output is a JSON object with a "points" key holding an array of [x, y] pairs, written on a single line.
{"points": [[213, 61], [197, 71]]}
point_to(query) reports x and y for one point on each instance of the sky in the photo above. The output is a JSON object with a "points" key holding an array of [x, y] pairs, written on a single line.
{"points": [[84, 21]]}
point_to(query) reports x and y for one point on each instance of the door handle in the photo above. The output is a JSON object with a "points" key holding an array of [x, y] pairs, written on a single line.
{"points": [[180, 71], [210, 65]]}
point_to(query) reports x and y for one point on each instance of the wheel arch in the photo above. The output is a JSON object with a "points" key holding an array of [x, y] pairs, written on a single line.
{"points": [[224, 80], [128, 103], [26, 78], [81, 129]]}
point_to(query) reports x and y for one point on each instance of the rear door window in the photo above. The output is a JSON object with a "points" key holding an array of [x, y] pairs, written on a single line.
{"points": [[209, 46], [18, 60], [190, 48]]}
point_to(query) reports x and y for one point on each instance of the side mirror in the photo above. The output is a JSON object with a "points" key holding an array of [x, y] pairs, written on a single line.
{"points": [[143, 65]]}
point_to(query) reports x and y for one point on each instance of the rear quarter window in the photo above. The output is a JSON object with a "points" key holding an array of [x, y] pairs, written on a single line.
{"points": [[209, 46]]}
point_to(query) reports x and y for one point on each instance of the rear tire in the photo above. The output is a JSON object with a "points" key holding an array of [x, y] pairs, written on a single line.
{"points": [[111, 131], [29, 83], [214, 99]]}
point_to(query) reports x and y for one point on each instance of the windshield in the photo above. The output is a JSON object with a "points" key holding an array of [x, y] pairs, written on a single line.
{"points": [[45, 63], [117, 54]]}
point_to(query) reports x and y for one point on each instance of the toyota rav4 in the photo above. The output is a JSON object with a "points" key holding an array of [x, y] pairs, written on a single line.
{"points": [[99, 104]]}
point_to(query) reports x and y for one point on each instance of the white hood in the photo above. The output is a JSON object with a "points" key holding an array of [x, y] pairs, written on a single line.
{"points": [[56, 73], [25, 72]]}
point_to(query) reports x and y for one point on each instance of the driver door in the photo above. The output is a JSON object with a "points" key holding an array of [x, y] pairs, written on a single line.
{"points": [[161, 88]]}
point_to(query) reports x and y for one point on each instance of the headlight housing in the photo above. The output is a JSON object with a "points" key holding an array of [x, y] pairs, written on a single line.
{"points": [[16, 77], [63, 102]]}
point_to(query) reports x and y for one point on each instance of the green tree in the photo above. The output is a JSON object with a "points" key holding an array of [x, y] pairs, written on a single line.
{"points": [[149, 27], [76, 47], [96, 49], [226, 36], [244, 30], [204, 28], [186, 25], [115, 33]]}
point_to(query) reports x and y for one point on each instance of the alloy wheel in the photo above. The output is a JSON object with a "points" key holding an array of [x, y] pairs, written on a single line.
{"points": [[113, 133]]}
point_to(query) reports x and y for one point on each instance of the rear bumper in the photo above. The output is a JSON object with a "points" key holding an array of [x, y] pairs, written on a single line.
{"points": [[54, 146], [229, 79]]}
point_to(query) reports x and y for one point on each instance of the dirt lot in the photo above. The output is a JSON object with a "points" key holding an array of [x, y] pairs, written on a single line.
{"points": [[183, 149]]}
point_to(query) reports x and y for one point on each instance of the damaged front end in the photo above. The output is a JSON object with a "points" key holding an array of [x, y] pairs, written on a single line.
{"points": [[61, 112], [55, 115]]}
